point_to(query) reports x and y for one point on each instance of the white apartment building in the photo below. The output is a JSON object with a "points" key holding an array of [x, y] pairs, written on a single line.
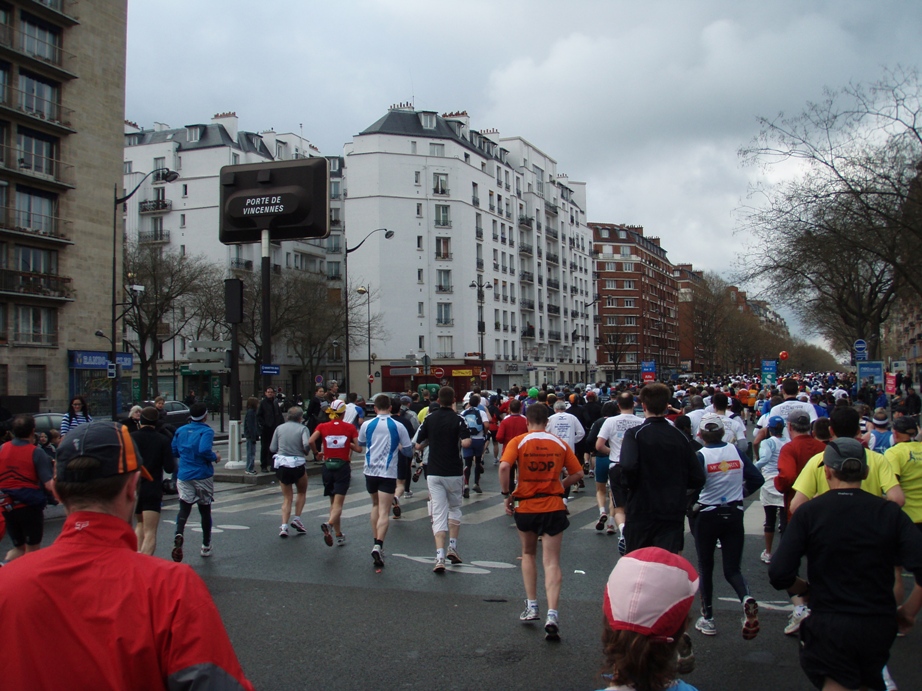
{"points": [[185, 215], [468, 207]]}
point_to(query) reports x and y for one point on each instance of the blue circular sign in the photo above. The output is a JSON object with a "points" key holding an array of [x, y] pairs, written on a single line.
{"points": [[860, 345], [319, 379]]}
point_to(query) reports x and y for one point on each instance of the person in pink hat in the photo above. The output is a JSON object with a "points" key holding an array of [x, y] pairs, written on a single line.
{"points": [[647, 600]]}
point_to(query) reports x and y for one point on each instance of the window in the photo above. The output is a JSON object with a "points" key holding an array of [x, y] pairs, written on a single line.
{"points": [[287, 260], [35, 260], [333, 270], [235, 159], [182, 250], [417, 177], [422, 342], [185, 190], [182, 220], [35, 381], [625, 250], [279, 150], [419, 275], [36, 325], [443, 280], [36, 152], [611, 321], [630, 357], [419, 210], [610, 285], [630, 321], [35, 210], [334, 189], [419, 242], [441, 216], [475, 194], [334, 164], [41, 41], [335, 217], [630, 338], [440, 183], [629, 285], [446, 347], [126, 168], [193, 134], [627, 266], [611, 266], [443, 314], [603, 233], [428, 120], [443, 248], [629, 302], [412, 147], [420, 309], [436, 149]]}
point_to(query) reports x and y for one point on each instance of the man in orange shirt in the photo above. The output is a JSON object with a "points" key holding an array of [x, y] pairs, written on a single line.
{"points": [[538, 507]]}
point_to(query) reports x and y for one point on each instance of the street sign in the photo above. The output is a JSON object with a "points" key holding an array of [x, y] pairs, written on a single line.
{"points": [[270, 369], [872, 371], [111, 371], [371, 379], [223, 345], [318, 379], [483, 376], [769, 372], [860, 345], [403, 371], [438, 372], [861, 355]]}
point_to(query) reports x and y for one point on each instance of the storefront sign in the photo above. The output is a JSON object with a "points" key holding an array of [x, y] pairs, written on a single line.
{"points": [[97, 359]]}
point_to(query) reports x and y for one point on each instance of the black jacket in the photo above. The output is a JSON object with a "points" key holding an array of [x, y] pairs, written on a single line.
{"points": [[269, 416]]}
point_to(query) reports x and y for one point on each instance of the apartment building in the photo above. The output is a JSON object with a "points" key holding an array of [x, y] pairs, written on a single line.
{"points": [[638, 303], [62, 99], [692, 353], [184, 215], [475, 215]]}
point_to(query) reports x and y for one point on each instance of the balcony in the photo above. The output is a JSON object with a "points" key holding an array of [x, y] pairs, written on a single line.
{"points": [[502, 239], [540, 253], [153, 206], [512, 299], [505, 327], [478, 231], [508, 214], [35, 225], [475, 200], [527, 277], [550, 208], [445, 354], [241, 264], [573, 290], [553, 284], [333, 249], [573, 266], [492, 207], [43, 52], [41, 109], [35, 338], [553, 309], [597, 319], [334, 277], [512, 328], [495, 237], [565, 287], [538, 224], [504, 268], [335, 195], [443, 321], [553, 258], [507, 186], [528, 304], [540, 305], [496, 326], [442, 223], [511, 242], [505, 298], [151, 237], [336, 222], [574, 313], [35, 284], [551, 232], [36, 167], [528, 332], [526, 248], [526, 221], [443, 256], [540, 280], [512, 271], [440, 191], [496, 266], [480, 264], [541, 333], [443, 289]]}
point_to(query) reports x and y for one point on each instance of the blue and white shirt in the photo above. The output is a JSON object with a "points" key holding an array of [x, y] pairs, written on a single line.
{"points": [[382, 438]]}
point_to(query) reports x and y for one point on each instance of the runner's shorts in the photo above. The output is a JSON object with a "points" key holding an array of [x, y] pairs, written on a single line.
{"points": [[550, 523], [850, 649], [475, 449], [374, 484], [618, 493], [601, 469], [288, 475], [337, 481], [25, 525], [444, 500], [196, 491]]}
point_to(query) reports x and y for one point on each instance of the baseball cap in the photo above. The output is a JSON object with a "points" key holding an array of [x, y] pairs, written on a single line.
{"points": [[710, 422], [107, 442], [799, 421], [650, 591], [906, 425], [406, 400], [336, 406], [840, 451], [150, 416], [775, 421]]}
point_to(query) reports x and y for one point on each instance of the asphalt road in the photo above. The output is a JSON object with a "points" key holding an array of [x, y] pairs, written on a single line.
{"points": [[304, 615]]}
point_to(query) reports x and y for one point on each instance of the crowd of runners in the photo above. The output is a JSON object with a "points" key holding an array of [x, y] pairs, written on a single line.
{"points": [[836, 467]]}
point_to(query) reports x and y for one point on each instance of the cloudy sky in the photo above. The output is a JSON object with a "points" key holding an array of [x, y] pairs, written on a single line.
{"points": [[646, 101]]}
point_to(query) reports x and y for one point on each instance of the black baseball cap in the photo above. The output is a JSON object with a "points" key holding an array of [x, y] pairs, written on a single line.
{"points": [[108, 442]]}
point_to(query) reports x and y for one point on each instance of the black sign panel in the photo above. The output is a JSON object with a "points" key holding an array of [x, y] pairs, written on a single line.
{"points": [[290, 199]]}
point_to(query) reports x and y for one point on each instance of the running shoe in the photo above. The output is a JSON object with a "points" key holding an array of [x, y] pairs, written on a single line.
{"points": [[477, 489], [378, 555], [610, 530], [439, 566], [766, 557], [552, 628], [530, 613], [453, 556], [250, 472], [206, 550], [340, 540], [328, 534], [283, 531], [750, 618], [686, 656], [298, 526], [466, 493], [177, 548], [408, 494], [603, 519], [417, 472], [706, 626], [396, 508], [622, 545], [794, 621]]}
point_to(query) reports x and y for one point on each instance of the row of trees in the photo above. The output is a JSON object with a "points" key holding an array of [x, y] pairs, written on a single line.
{"points": [[838, 239], [184, 297]]}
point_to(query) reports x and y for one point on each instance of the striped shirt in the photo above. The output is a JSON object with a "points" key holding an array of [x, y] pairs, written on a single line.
{"points": [[382, 438]]}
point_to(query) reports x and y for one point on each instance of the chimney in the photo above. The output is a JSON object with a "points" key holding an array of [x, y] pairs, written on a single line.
{"points": [[161, 127], [229, 121]]}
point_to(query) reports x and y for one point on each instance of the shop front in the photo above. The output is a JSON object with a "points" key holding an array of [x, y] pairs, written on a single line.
{"points": [[88, 377]]}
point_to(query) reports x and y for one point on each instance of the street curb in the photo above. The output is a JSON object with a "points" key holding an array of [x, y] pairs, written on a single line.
{"points": [[240, 476]]}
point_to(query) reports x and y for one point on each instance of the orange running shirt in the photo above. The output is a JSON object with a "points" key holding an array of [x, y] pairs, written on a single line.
{"points": [[539, 457]]}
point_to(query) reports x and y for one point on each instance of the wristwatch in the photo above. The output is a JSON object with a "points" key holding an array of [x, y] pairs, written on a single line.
{"points": [[505, 494]]}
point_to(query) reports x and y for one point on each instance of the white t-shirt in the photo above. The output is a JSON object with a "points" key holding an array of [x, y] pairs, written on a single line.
{"points": [[695, 417], [567, 427], [613, 430], [784, 410]]}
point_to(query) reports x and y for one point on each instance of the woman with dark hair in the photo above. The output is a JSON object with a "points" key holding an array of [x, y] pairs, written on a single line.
{"points": [[645, 605], [78, 414]]}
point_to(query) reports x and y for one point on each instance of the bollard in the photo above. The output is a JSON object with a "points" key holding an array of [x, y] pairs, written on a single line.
{"points": [[234, 461]]}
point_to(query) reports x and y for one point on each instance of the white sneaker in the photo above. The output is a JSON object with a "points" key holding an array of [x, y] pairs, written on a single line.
{"points": [[552, 628], [530, 614], [706, 626], [766, 557], [795, 620], [206, 550]]}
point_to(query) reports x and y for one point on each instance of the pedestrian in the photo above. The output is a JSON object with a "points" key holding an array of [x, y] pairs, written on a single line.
{"points": [[133, 421], [852, 540], [719, 516], [338, 440], [658, 468], [382, 438], [157, 458], [879, 438], [401, 413], [160, 405], [290, 442], [772, 500], [538, 508], [251, 433], [119, 619], [599, 468], [269, 416], [25, 484], [192, 445], [191, 399], [645, 605], [478, 423], [44, 443], [77, 414], [445, 434]]}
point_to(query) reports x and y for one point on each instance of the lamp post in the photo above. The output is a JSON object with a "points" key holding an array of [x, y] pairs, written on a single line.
{"points": [[481, 324], [598, 297], [167, 175], [388, 234], [363, 290]]}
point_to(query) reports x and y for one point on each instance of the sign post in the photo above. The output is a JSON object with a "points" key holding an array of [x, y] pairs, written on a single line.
{"points": [[769, 372], [648, 370], [861, 350]]}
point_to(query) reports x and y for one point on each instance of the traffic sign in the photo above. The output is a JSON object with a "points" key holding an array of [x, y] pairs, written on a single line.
{"points": [[438, 372], [270, 369], [860, 345], [483, 376], [371, 379], [861, 355], [318, 379], [111, 371]]}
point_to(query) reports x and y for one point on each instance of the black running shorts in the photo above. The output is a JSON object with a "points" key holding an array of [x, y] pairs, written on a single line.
{"points": [[289, 476], [25, 525], [374, 484], [849, 649], [336, 481], [551, 523]]}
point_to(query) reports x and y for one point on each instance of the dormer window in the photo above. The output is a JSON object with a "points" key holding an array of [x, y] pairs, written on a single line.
{"points": [[193, 134], [428, 120]]}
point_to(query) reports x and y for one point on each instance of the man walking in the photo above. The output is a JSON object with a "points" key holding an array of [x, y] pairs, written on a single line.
{"points": [[289, 442], [192, 444], [445, 433], [269, 416], [382, 438], [25, 476]]}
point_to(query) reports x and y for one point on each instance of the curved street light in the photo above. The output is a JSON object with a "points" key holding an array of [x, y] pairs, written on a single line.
{"points": [[481, 323], [362, 290]]}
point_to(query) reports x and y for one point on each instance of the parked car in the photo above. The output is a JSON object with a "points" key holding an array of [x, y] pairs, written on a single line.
{"points": [[45, 422], [370, 402]]}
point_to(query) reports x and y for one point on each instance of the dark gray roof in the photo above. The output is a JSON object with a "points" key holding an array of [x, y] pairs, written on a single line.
{"points": [[211, 136]]}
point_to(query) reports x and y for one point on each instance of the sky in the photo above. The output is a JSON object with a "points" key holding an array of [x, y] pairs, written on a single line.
{"points": [[647, 102]]}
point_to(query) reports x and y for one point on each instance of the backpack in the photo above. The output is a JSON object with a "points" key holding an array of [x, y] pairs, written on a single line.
{"points": [[474, 421]]}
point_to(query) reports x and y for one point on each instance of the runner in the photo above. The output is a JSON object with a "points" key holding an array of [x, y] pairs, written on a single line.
{"points": [[771, 498], [445, 434], [611, 436], [338, 442], [478, 422], [382, 438], [192, 445], [290, 441], [154, 448], [905, 459], [538, 507], [599, 468]]}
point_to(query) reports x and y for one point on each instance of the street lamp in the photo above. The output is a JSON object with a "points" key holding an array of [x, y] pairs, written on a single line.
{"points": [[481, 324], [363, 290], [388, 234], [598, 297], [166, 175]]}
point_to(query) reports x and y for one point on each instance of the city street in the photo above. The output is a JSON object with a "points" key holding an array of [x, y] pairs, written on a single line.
{"points": [[304, 615]]}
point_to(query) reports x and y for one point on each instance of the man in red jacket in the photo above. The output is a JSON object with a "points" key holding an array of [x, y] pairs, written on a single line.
{"points": [[791, 460], [118, 619]]}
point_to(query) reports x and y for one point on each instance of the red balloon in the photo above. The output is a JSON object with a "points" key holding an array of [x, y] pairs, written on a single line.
{"points": [[783, 355]]}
